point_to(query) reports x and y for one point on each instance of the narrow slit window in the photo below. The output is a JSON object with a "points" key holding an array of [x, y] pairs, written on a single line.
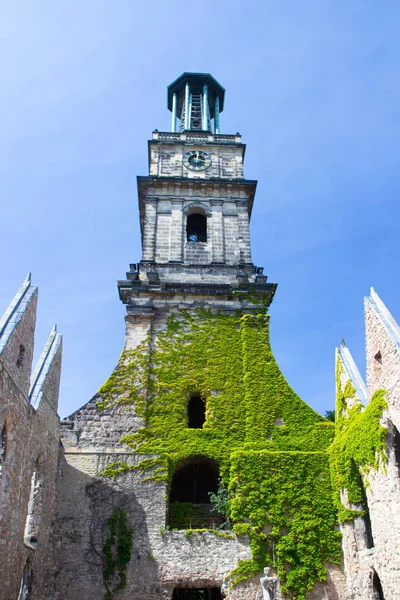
{"points": [[26, 582], [196, 412], [369, 540], [21, 357], [3, 446], [377, 587], [196, 228], [35, 507], [396, 447], [377, 366]]}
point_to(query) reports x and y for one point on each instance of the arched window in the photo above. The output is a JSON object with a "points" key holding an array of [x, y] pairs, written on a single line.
{"points": [[196, 227], [377, 587], [21, 357], [189, 500], [26, 582], [35, 508], [196, 411], [3, 446]]}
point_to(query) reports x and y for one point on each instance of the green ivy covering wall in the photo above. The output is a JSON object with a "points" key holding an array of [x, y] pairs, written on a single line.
{"points": [[270, 446], [360, 443]]}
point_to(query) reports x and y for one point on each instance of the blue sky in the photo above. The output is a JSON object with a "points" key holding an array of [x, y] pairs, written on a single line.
{"points": [[312, 86]]}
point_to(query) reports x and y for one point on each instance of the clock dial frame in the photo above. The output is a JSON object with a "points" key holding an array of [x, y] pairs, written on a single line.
{"points": [[197, 160]]}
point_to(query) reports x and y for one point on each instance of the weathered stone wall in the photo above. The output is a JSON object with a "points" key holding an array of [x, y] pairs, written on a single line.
{"points": [[383, 492], [161, 559], [167, 156], [31, 444], [363, 563]]}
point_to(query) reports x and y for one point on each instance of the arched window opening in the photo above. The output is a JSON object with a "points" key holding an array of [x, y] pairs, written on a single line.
{"points": [[21, 357], [26, 582], [3, 446], [377, 587], [35, 509], [197, 594], [196, 411], [189, 500], [196, 227]]}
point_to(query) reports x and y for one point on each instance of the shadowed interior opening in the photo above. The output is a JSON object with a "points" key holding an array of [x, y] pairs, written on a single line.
{"points": [[196, 412], [369, 540], [197, 594], [196, 228], [377, 587], [193, 481]]}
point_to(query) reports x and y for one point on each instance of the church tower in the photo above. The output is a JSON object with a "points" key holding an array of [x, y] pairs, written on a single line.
{"points": [[196, 467], [195, 208]]}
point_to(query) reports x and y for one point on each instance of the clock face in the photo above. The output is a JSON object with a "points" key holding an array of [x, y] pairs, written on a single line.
{"points": [[197, 160]]}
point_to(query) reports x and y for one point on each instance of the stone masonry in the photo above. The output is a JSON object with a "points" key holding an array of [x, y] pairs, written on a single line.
{"points": [[55, 503], [372, 563], [30, 451]]}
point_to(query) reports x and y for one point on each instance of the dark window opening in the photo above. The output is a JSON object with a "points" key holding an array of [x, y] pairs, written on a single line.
{"points": [[369, 540], [3, 443], [396, 446], [196, 412], [21, 357], [377, 587], [196, 228], [194, 481], [197, 594], [26, 583], [189, 500], [378, 358]]}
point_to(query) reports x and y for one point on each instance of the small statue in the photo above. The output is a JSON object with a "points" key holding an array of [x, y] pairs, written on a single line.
{"points": [[269, 584]]}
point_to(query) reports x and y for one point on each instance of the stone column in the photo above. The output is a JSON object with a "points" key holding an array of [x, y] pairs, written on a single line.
{"points": [[177, 241], [244, 232], [217, 231], [149, 229]]}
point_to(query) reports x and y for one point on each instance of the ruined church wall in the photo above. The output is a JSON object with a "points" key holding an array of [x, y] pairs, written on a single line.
{"points": [[161, 559], [383, 492], [32, 437]]}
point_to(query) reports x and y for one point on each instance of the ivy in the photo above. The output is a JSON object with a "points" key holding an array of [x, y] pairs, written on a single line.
{"points": [[116, 552], [359, 445], [286, 500], [269, 445]]}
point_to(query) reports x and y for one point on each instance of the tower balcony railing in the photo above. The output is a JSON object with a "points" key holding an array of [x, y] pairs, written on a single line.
{"points": [[197, 136]]}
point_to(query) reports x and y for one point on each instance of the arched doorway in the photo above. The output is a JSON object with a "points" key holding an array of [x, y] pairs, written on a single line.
{"points": [[189, 500], [197, 594]]}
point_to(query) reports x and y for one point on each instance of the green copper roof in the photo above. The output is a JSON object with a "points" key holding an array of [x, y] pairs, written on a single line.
{"points": [[197, 80]]}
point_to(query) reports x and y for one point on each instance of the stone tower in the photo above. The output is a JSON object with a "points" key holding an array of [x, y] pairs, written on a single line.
{"points": [[195, 207], [195, 466]]}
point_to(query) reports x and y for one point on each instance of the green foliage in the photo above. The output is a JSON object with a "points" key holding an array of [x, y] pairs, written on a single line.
{"points": [[284, 501], [220, 505], [259, 432], [116, 552], [360, 444]]}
